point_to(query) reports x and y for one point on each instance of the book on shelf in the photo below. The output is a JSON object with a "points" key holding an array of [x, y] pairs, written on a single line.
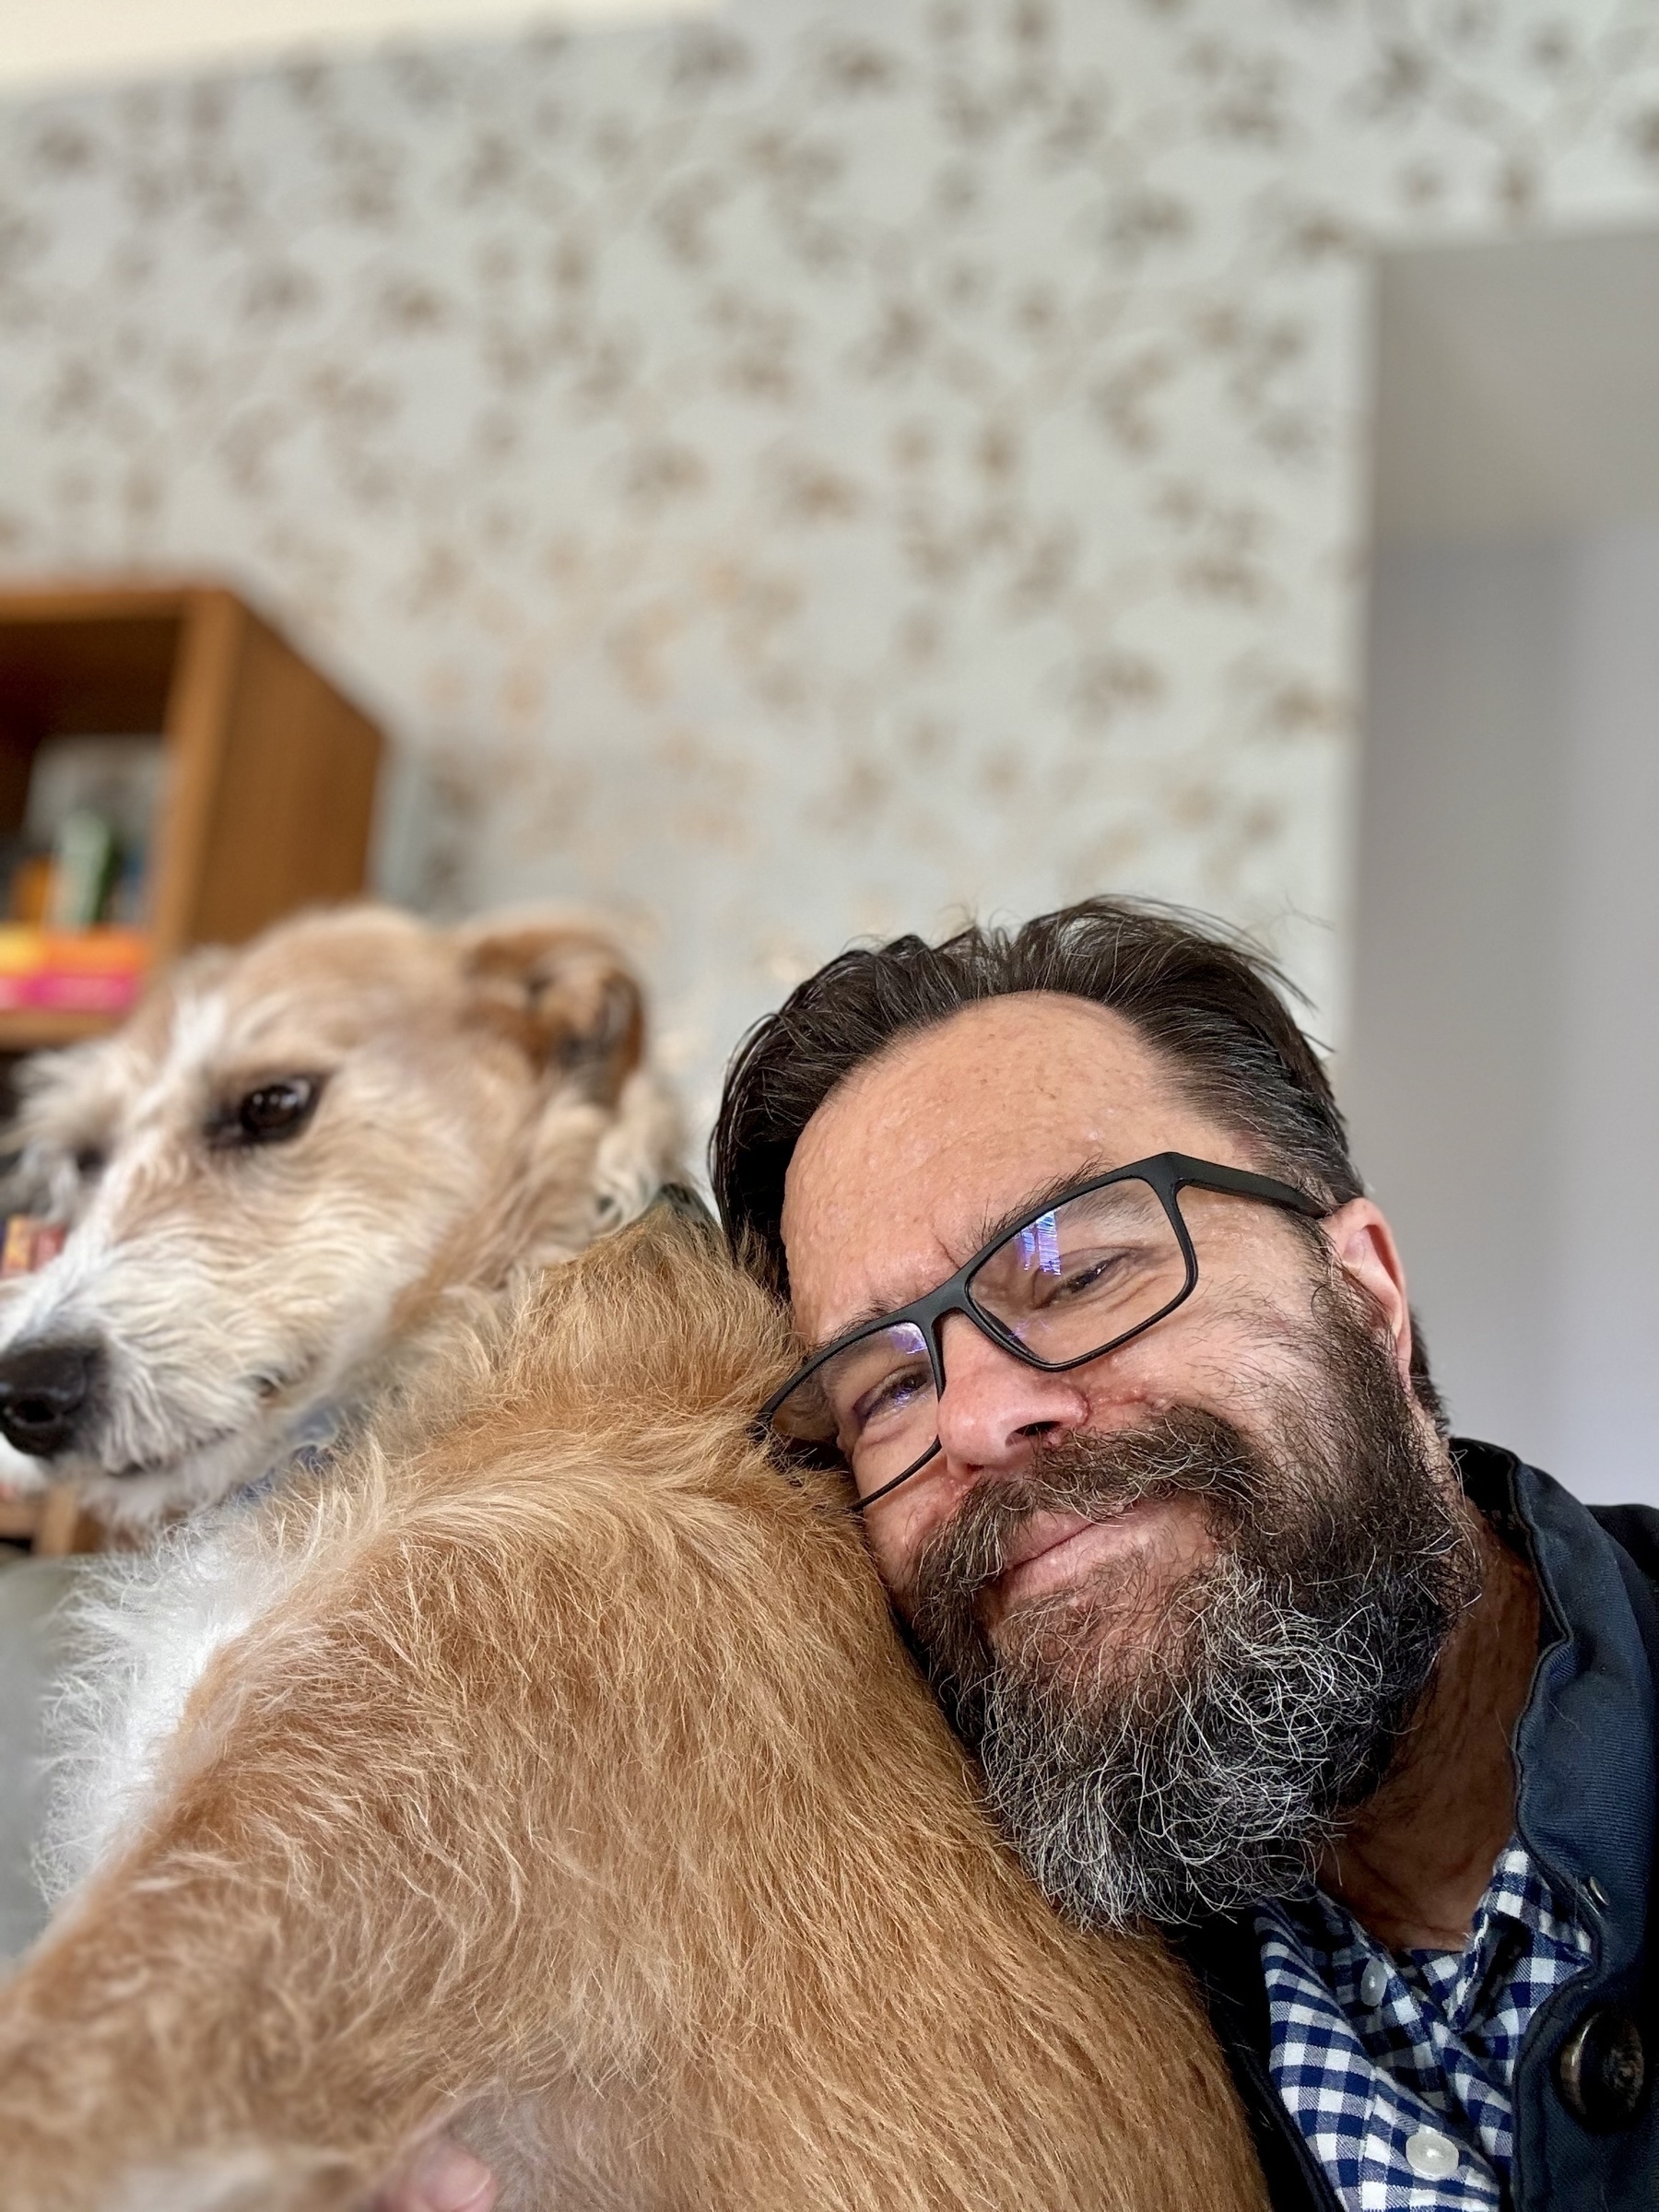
{"points": [[70, 971], [79, 855]]}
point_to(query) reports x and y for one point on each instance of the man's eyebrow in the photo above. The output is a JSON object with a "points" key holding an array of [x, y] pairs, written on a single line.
{"points": [[1036, 1201], [858, 1321]]}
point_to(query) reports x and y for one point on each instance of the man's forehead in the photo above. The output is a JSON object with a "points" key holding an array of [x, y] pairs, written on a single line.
{"points": [[899, 1174]]}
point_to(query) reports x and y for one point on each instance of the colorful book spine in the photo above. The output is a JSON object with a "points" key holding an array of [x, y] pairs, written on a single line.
{"points": [[79, 971]]}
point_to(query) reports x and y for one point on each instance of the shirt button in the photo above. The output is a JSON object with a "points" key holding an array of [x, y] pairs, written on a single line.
{"points": [[1432, 2155], [1374, 1983]]}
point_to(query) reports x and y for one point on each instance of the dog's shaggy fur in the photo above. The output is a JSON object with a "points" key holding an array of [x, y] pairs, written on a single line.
{"points": [[480, 1109], [574, 1790]]}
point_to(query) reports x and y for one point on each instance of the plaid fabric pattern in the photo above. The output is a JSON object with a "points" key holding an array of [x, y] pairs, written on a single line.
{"points": [[1405, 2099]]}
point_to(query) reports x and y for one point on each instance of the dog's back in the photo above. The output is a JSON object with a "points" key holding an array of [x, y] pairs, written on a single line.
{"points": [[577, 1790]]}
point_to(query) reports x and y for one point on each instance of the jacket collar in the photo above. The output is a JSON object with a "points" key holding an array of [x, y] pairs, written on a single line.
{"points": [[1584, 1744]]}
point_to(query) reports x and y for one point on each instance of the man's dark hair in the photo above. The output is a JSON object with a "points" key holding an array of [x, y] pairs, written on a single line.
{"points": [[1207, 1000]]}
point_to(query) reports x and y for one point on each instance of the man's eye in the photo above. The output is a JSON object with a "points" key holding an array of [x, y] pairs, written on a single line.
{"points": [[1087, 1276], [894, 1394], [267, 1116]]}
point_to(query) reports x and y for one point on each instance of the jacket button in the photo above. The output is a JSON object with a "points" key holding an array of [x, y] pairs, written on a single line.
{"points": [[1602, 2068]]}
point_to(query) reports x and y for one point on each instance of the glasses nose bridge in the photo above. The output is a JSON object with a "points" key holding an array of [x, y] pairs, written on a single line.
{"points": [[951, 1302]]}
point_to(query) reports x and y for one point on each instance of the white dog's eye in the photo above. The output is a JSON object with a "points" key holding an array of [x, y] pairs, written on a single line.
{"points": [[267, 1116], [88, 1161]]}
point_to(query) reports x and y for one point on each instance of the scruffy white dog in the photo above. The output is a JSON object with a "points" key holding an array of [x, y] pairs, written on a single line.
{"points": [[279, 1171]]}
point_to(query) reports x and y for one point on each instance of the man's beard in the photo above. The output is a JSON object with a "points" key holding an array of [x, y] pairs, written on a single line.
{"points": [[1155, 1753]]}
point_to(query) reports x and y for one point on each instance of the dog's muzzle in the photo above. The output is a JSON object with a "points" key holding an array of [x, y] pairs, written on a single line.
{"points": [[47, 1395]]}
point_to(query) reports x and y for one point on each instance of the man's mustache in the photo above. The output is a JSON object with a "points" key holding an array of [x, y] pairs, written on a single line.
{"points": [[1096, 1475]]}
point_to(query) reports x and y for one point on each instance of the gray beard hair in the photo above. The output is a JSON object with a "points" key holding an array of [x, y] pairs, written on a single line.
{"points": [[1199, 1762]]}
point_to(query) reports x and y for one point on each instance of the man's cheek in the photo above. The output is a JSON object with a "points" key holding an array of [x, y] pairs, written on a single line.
{"points": [[897, 1531], [1232, 1356]]}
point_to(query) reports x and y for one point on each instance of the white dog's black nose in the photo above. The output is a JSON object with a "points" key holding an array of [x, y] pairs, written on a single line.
{"points": [[46, 1394]]}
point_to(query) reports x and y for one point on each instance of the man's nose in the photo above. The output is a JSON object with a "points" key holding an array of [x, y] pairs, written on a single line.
{"points": [[47, 1390], [994, 1409]]}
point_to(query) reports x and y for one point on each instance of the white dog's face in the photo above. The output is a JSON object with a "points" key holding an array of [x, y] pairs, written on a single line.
{"points": [[275, 1170]]}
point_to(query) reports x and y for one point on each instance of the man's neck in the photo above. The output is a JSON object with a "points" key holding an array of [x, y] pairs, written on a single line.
{"points": [[1414, 1862]]}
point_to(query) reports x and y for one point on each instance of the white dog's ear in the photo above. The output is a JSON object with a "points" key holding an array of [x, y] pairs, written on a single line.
{"points": [[563, 991]]}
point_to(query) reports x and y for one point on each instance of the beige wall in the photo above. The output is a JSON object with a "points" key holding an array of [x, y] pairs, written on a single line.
{"points": [[1503, 1063], [1503, 1071]]}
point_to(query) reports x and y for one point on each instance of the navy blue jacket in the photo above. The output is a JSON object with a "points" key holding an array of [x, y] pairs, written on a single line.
{"points": [[1585, 1767]]}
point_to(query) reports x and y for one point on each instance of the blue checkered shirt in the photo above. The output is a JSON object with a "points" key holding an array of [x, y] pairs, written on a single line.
{"points": [[1396, 2066]]}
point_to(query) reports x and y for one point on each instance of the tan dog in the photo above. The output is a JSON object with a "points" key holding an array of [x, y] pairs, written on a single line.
{"points": [[278, 1168], [574, 1790]]}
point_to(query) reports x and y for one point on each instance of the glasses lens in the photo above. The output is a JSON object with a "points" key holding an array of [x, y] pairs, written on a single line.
{"points": [[1079, 1278], [874, 1403]]}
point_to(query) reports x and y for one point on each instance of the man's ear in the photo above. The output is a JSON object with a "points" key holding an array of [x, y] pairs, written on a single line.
{"points": [[562, 991], [1366, 1252]]}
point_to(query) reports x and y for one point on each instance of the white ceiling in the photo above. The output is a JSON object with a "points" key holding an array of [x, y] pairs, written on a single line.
{"points": [[1518, 386], [47, 42]]}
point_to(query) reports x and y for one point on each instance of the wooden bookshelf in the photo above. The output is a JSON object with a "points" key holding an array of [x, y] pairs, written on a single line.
{"points": [[270, 768], [267, 793], [32, 1029]]}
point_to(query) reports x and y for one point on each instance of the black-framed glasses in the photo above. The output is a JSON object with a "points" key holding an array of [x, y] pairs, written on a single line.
{"points": [[1082, 1275]]}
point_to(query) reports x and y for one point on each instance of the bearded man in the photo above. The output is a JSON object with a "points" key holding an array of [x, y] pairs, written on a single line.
{"points": [[1118, 1359]]}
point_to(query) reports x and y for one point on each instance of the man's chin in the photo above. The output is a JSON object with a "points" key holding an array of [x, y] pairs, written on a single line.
{"points": [[1127, 1611]]}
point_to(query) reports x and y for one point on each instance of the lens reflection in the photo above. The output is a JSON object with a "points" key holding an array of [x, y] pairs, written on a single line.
{"points": [[1093, 1271]]}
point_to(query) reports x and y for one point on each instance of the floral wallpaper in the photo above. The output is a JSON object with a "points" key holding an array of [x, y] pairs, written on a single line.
{"points": [[805, 472]]}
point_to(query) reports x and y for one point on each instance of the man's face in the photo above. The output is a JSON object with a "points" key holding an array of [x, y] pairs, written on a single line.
{"points": [[1241, 1509]]}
